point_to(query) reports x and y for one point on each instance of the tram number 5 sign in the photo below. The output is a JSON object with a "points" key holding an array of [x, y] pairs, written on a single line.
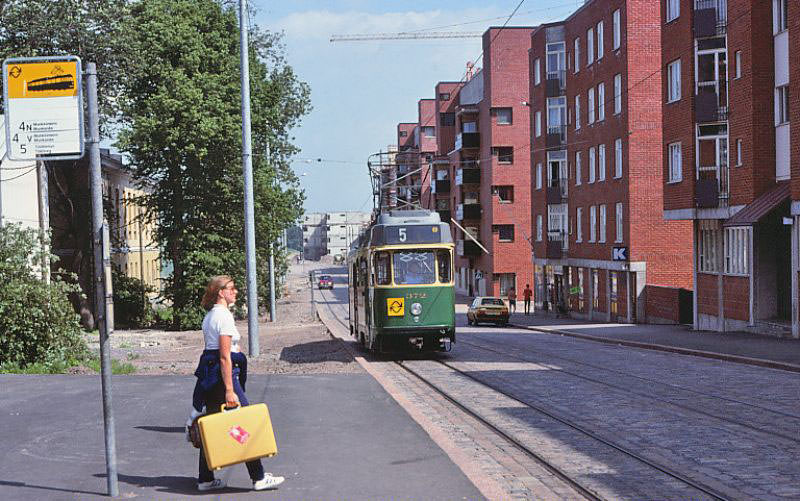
{"points": [[43, 107]]}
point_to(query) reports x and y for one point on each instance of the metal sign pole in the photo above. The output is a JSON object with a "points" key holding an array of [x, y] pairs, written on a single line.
{"points": [[96, 184]]}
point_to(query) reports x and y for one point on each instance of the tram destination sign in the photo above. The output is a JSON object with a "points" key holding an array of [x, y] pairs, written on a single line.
{"points": [[43, 108], [413, 234]]}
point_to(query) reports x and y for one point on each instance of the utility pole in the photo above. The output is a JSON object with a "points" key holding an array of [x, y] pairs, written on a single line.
{"points": [[141, 263], [247, 160], [272, 315], [101, 305]]}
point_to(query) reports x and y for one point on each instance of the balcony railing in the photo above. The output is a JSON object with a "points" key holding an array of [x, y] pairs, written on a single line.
{"points": [[557, 191], [556, 83], [707, 107], [467, 140], [710, 18], [468, 211], [711, 187], [556, 136], [468, 175], [444, 215], [556, 244], [442, 186]]}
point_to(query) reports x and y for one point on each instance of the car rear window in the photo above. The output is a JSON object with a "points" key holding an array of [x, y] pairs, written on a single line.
{"points": [[325, 277], [492, 302]]}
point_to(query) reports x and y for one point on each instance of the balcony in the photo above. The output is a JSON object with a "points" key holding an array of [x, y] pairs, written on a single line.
{"points": [[444, 215], [469, 175], [556, 83], [467, 248], [557, 191], [711, 187], [556, 245], [468, 211], [468, 140], [710, 18], [556, 136], [442, 186], [707, 107]]}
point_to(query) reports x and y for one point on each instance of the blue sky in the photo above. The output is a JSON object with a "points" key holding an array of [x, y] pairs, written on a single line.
{"points": [[361, 90]]}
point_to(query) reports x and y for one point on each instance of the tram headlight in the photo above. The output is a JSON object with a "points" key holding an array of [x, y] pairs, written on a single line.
{"points": [[416, 309]]}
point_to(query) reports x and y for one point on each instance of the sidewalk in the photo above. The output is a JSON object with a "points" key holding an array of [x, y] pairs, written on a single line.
{"points": [[742, 347]]}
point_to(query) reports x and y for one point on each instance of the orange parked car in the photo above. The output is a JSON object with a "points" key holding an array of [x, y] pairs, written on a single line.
{"points": [[489, 310]]}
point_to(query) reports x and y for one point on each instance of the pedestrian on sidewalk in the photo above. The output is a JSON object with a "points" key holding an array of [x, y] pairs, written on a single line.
{"points": [[526, 296], [512, 300], [221, 375]]}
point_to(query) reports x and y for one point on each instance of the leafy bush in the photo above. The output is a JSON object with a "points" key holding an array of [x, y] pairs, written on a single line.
{"points": [[38, 324], [130, 308]]}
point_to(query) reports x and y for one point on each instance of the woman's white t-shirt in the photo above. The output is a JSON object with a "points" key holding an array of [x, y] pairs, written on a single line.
{"points": [[219, 322]]}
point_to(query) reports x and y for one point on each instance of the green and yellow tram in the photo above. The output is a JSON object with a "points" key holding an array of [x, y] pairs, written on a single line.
{"points": [[401, 289]]}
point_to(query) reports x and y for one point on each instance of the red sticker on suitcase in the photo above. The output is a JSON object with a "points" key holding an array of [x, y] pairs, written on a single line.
{"points": [[239, 434]]}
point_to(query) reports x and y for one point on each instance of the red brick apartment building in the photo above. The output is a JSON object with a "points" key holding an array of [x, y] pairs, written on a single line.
{"points": [[730, 166], [601, 246], [490, 169], [416, 145], [441, 174]]}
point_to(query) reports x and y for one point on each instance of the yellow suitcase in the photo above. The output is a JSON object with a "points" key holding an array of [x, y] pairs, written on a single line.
{"points": [[236, 436]]}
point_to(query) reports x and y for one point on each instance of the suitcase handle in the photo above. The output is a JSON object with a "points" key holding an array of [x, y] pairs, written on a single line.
{"points": [[222, 408]]}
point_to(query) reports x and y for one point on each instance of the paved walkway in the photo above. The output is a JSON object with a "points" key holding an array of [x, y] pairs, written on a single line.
{"points": [[742, 347]]}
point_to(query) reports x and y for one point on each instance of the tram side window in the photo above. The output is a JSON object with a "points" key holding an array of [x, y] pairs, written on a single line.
{"points": [[362, 272], [443, 261], [413, 268], [382, 269]]}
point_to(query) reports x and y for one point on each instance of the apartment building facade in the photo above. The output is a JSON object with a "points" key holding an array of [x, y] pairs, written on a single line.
{"points": [[602, 249], [441, 172], [331, 232], [730, 164]]}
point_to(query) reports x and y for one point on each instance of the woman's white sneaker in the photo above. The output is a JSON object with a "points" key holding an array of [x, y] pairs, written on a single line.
{"points": [[268, 482], [211, 486]]}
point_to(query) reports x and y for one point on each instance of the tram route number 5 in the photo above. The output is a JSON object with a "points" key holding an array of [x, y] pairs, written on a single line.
{"points": [[401, 234]]}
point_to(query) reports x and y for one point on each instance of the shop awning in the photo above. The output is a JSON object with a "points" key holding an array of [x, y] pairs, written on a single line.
{"points": [[761, 206]]}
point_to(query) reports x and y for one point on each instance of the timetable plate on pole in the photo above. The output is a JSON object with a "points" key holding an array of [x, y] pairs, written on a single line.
{"points": [[43, 107]]}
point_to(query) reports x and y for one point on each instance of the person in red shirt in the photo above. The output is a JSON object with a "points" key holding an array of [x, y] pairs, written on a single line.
{"points": [[526, 295]]}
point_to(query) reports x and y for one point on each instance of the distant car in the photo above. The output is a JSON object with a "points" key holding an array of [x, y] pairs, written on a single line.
{"points": [[489, 310], [325, 282]]}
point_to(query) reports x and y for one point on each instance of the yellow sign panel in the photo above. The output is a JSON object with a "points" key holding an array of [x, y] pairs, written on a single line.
{"points": [[395, 306], [45, 79]]}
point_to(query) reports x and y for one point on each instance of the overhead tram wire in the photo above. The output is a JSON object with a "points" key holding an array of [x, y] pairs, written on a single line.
{"points": [[547, 9]]}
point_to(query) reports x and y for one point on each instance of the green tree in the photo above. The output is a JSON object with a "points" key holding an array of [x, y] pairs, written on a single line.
{"points": [[182, 129]]}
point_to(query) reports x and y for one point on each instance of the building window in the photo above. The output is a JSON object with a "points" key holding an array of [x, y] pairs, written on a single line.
{"points": [[618, 221], [579, 225], [507, 281], [538, 124], [505, 194], [782, 105], [504, 154], [617, 94], [444, 96], [403, 133], [447, 119], [616, 29], [707, 247], [592, 223], [590, 106], [537, 72], [602, 238], [738, 152], [675, 163], [505, 232], [601, 162], [592, 165], [737, 246], [557, 116], [539, 176], [578, 169], [738, 61], [503, 115], [577, 112], [673, 9], [674, 81], [600, 40], [618, 158], [577, 55], [429, 131], [779, 15], [539, 228], [589, 46], [601, 102]]}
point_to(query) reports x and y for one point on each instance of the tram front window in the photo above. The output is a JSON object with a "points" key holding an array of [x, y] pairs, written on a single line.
{"points": [[443, 262], [381, 267], [414, 268]]}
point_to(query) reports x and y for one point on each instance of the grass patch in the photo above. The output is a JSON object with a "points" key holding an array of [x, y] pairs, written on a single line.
{"points": [[117, 367], [38, 368]]}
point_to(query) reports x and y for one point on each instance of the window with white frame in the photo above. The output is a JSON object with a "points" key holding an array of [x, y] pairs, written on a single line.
{"points": [[538, 123], [616, 21], [675, 162], [539, 176], [737, 57], [589, 46], [592, 165], [577, 54], [708, 239], [602, 237], [617, 94], [601, 162], [592, 223], [600, 40], [738, 152], [782, 105], [780, 10], [674, 81], [737, 250], [618, 221], [618, 158], [712, 155], [579, 225], [539, 228], [590, 106], [601, 101], [537, 72], [578, 168], [577, 111], [673, 9]]}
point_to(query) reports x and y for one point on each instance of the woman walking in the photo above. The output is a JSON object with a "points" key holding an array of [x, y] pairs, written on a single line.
{"points": [[222, 374]]}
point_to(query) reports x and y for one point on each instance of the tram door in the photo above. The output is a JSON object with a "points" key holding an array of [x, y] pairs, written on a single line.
{"points": [[353, 300]]}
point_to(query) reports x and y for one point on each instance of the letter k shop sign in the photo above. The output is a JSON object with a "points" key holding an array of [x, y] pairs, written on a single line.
{"points": [[619, 254]]}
